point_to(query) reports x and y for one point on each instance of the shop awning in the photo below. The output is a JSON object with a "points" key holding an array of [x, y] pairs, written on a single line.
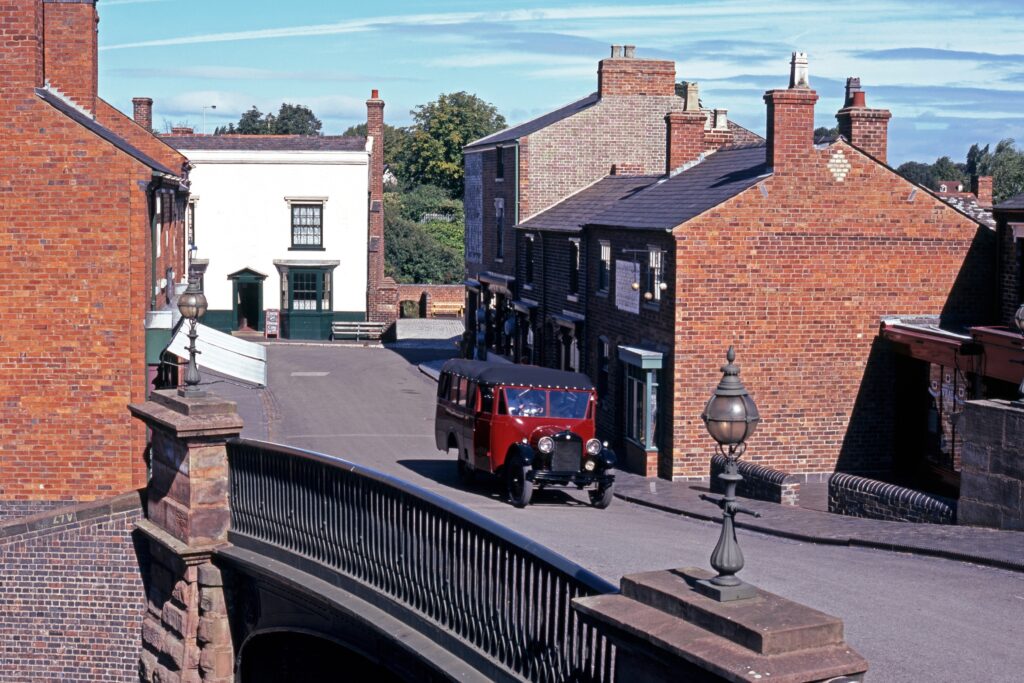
{"points": [[223, 353]]}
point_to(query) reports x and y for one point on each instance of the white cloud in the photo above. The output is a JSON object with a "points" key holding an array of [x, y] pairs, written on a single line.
{"points": [[487, 59]]}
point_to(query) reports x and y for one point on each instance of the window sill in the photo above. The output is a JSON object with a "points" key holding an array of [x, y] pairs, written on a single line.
{"points": [[573, 298], [643, 447], [602, 293], [294, 248], [528, 288], [499, 180], [499, 259]]}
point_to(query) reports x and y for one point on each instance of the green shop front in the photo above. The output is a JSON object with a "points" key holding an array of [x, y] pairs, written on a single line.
{"points": [[307, 298]]}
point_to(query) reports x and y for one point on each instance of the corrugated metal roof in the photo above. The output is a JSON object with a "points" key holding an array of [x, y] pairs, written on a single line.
{"points": [[268, 143], [575, 211], [667, 203], [110, 136], [524, 129]]}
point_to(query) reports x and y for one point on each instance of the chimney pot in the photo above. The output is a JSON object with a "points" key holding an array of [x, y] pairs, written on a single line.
{"points": [[721, 119], [374, 94], [616, 51], [799, 76], [859, 100], [629, 51], [852, 86], [182, 130], [691, 96]]}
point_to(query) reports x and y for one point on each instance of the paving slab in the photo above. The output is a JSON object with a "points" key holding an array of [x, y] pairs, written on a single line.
{"points": [[990, 547]]}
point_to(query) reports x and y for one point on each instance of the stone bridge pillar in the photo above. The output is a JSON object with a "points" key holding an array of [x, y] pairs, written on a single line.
{"points": [[185, 633], [664, 630]]}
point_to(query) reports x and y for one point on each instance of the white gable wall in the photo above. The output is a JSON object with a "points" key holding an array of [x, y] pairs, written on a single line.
{"points": [[244, 221]]}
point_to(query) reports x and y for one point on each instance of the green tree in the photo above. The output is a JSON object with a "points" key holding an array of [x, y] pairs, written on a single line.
{"points": [[945, 168], [412, 255], [291, 119], [1005, 164], [433, 152], [295, 119], [394, 143], [252, 122], [825, 133], [916, 172]]}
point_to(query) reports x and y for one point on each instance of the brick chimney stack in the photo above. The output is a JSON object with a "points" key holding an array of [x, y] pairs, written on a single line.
{"points": [[624, 74], [21, 39], [375, 256], [70, 49], [981, 186], [866, 129], [790, 127], [142, 112]]}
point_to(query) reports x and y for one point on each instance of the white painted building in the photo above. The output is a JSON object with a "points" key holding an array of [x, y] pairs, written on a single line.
{"points": [[283, 221]]}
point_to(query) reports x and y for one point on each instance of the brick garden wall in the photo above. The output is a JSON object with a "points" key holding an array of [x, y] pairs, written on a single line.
{"points": [[446, 295], [72, 597], [796, 272], [759, 482], [855, 496]]}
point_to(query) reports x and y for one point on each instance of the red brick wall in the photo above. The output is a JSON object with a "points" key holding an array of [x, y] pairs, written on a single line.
{"points": [[138, 136], [381, 297], [444, 294], [70, 49], [75, 248], [797, 278], [72, 598]]}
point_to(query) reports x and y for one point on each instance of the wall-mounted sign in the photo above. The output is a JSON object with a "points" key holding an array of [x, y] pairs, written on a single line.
{"points": [[627, 298], [272, 323]]}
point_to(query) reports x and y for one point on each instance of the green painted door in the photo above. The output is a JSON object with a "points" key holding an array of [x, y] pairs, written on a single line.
{"points": [[309, 304]]}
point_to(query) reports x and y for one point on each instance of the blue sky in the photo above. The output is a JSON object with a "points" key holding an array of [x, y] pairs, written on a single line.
{"points": [[951, 72]]}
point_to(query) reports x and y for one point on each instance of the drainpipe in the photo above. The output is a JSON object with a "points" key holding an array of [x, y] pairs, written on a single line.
{"points": [[515, 220], [151, 192]]}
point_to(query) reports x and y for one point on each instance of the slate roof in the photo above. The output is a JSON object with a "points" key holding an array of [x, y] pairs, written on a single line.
{"points": [[523, 129], [1015, 202], [268, 143], [667, 203], [576, 210], [110, 136], [968, 204]]}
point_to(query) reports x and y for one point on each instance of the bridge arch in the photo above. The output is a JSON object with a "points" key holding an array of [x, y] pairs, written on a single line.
{"points": [[280, 655]]}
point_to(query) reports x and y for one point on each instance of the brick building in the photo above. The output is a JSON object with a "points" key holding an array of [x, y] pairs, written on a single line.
{"points": [[91, 208], [520, 171], [791, 250]]}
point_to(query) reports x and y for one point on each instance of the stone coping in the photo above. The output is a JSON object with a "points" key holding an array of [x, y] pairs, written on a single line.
{"points": [[74, 513]]}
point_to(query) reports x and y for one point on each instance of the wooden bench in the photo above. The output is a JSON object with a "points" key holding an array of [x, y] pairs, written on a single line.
{"points": [[357, 329], [446, 309]]}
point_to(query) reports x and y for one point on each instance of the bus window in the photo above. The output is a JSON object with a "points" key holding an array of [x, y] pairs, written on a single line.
{"points": [[442, 385], [453, 390], [463, 391], [486, 398]]}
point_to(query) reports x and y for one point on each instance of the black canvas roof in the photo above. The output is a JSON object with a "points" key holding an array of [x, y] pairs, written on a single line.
{"points": [[268, 143], [110, 136], [523, 129], [667, 203], [577, 210], [517, 375]]}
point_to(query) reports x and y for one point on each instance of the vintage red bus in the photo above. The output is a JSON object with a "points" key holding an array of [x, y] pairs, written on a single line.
{"points": [[530, 426]]}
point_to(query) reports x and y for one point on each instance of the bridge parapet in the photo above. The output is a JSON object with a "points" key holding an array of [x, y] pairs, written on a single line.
{"points": [[185, 633]]}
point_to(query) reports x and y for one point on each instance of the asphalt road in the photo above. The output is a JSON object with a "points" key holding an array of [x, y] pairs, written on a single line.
{"points": [[913, 618]]}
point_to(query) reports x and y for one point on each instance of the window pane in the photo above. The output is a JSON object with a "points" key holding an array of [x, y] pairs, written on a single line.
{"points": [[304, 294], [571, 405], [527, 402], [307, 225]]}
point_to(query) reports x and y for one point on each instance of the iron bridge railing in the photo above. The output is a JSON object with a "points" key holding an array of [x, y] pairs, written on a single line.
{"points": [[494, 589]]}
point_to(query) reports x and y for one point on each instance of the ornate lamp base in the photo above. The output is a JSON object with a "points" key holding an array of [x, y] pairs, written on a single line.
{"points": [[742, 591]]}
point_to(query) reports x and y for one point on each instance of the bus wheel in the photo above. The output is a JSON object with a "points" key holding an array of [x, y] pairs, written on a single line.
{"points": [[520, 489]]}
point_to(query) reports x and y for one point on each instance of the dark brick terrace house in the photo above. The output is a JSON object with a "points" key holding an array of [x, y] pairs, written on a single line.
{"points": [[790, 249], [521, 171], [91, 245]]}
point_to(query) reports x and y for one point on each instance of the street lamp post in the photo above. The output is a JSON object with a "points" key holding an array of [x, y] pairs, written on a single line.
{"points": [[205, 107], [192, 304], [730, 417]]}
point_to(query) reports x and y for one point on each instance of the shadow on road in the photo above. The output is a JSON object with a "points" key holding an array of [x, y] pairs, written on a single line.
{"points": [[415, 355], [485, 485]]}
